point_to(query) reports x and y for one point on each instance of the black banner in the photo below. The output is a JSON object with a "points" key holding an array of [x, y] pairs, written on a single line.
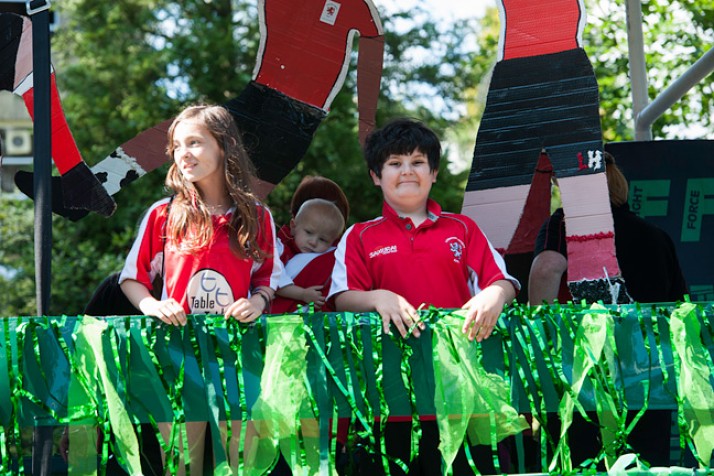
{"points": [[672, 186]]}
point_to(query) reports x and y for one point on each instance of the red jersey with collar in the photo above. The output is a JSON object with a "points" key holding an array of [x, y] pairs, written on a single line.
{"points": [[209, 280], [531, 28], [305, 46], [443, 262]]}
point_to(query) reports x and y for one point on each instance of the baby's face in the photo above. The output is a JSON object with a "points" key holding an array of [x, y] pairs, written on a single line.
{"points": [[312, 235]]}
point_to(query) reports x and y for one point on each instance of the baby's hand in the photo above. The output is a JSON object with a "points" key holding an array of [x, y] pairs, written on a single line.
{"points": [[314, 294]]}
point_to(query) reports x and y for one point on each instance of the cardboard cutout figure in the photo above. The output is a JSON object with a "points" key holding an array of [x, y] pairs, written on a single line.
{"points": [[543, 97], [81, 189], [301, 66]]}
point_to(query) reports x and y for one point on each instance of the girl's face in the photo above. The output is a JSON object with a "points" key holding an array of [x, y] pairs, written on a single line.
{"points": [[198, 156]]}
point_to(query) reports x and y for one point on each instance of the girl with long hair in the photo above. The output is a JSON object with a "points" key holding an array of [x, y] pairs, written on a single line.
{"points": [[212, 243]]}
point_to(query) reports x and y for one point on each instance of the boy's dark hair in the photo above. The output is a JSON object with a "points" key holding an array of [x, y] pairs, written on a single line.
{"points": [[401, 136]]}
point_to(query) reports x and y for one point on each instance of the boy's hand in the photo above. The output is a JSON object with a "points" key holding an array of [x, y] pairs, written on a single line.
{"points": [[168, 311], [394, 308], [485, 308], [245, 310], [314, 294]]}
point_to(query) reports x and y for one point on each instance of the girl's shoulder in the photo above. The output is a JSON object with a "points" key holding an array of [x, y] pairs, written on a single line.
{"points": [[158, 210], [161, 205], [263, 211]]}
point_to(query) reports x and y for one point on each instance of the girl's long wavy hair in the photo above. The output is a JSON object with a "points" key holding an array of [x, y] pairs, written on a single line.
{"points": [[189, 225]]}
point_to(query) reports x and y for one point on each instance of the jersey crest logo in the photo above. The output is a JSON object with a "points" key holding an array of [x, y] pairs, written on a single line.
{"points": [[456, 246], [329, 12]]}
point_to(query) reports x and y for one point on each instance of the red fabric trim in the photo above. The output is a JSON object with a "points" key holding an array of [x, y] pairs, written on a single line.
{"points": [[595, 236]]}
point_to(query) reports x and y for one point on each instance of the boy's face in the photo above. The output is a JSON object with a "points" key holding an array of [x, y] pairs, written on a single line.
{"points": [[406, 181], [311, 234]]}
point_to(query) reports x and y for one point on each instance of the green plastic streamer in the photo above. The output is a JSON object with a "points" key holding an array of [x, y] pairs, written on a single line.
{"points": [[410, 374], [212, 384], [342, 390], [235, 337], [318, 387], [378, 411], [694, 379], [303, 371], [155, 338], [590, 340], [467, 397], [611, 419], [6, 413], [92, 363], [15, 383], [276, 414], [226, 361], [516, 347]]}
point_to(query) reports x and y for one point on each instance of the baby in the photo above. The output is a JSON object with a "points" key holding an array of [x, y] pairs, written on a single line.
{"points": [[318, 224]]}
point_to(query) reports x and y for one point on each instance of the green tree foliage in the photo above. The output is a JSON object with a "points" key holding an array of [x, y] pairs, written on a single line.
{"points": [[676, 34], [124, 66], [17, 279], [74, 264]]}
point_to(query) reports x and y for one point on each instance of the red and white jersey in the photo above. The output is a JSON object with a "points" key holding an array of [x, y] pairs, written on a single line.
{"points": [[305, 46], [305, 270], [209, 280], [443, 262], [532, 28]]}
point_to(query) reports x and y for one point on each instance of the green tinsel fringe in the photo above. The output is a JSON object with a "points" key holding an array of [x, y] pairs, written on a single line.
{"points": [[281, 384]]}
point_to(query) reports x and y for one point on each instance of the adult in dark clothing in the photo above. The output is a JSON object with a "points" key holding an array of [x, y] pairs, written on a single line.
{"points": [[646, 253], [649, 265]]}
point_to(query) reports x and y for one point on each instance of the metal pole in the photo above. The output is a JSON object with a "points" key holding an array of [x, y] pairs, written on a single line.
{"points": [[638, 68], [42, 161], [665, 100], [38, 10]]}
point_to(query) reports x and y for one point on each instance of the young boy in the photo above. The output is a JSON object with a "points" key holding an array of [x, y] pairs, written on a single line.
{"points": [[316, 226], [416, 254]]}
